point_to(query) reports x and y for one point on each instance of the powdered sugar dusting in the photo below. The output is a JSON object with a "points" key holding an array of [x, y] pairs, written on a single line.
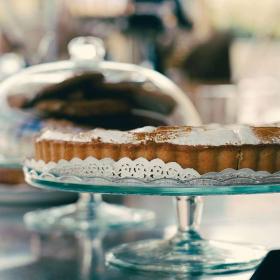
{"points": [[206, 136], [181, 135], [245, 135]]}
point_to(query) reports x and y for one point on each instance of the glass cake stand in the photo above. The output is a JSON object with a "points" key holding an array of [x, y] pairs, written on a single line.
{"points": [[88, 213], [187, 251]]}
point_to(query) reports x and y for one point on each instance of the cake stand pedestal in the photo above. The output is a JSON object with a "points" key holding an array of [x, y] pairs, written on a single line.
{"points": [[187, 252]]}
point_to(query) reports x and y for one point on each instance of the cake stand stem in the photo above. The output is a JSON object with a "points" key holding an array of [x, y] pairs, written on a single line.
{"points": [[87, 205], [91, 255], [189, 211]]}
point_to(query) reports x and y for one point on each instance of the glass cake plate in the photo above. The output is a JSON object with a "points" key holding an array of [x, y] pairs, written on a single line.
{"points": [[187, 252]]}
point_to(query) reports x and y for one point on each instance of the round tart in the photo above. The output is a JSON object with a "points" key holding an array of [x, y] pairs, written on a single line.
{"points": [[205, 148]]}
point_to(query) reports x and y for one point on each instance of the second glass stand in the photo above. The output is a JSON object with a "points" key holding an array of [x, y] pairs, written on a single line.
{"points": [[88, 213]]}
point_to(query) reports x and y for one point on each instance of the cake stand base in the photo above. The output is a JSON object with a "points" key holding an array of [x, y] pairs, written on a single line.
{"points": [[89, 213], [186, 253]]}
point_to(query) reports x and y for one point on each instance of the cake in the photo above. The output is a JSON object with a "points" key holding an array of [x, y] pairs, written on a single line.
{"points": [[204, 148], [89, 99]]}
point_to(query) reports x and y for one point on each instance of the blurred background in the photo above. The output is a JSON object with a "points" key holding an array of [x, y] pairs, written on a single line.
{"points": [[224, 55], [226, 61]]}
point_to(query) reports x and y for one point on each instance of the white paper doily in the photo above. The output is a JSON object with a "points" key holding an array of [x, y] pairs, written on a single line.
{"points": [[143, 171]]}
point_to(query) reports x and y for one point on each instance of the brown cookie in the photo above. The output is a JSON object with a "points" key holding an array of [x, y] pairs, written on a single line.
{"points": [[73, 87], [82, 108]]}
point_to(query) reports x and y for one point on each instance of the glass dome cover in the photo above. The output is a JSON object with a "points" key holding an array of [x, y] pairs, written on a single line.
{"points": [[86, 92]]}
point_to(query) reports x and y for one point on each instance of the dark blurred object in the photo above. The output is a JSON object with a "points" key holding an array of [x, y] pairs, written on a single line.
{"points": [[142, 29], [88, 99], [182, 19], [133, 35], [269, 268], [177, 10], [145, 22], [173, 47], [148, 27], [209, 60]]}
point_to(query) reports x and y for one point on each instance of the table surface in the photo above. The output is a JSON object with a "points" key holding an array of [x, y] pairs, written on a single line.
{"points": [[26, 256]]}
